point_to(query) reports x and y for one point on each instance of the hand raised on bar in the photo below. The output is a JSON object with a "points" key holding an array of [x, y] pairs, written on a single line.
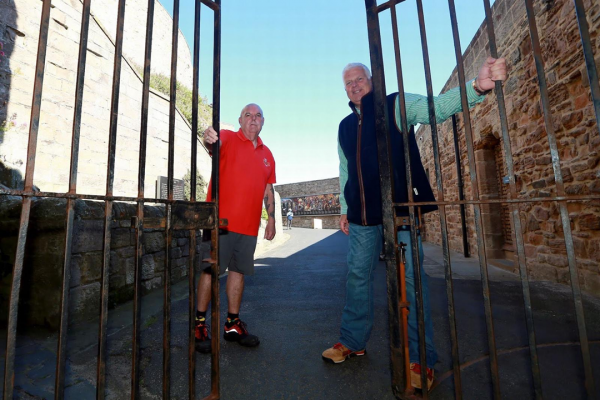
{"points": [[210, 135], [491, 71]]}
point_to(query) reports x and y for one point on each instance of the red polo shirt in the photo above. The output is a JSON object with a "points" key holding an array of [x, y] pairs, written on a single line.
{"points": [[245, 172]]}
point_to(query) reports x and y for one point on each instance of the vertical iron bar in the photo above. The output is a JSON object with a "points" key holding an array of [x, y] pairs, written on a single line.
{"points": [[382, 133], [584, 32], [193, 167], [461, 194], [518, 231], [440, 188], [215, 306], [168, 228], [560, 191], [411, 210], [13, 307], [476, 208], [138, 221], [59, 385], [112, 143]]}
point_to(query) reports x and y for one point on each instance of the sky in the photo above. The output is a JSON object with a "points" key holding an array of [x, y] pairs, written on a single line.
{"points": [[287, 56]]}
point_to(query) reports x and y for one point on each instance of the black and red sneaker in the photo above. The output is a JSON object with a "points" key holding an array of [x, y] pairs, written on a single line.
{"points": [[235, 331], [202, 338]]}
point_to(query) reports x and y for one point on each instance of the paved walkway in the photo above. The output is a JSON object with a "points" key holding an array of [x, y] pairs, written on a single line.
{"points": [[293, 303]]}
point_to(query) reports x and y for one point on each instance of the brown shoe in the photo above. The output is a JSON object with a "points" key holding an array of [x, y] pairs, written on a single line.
{"points": [[338, 353], [415, 376]]}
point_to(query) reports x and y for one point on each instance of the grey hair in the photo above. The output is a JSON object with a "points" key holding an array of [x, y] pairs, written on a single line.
{"points": [[356, 65], [252, 104]]}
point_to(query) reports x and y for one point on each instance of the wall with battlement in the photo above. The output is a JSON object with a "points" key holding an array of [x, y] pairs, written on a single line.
{"points": [[19, 31]]}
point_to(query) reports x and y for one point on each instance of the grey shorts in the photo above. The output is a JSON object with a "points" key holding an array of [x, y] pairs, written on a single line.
{"points": [[236, 253]]}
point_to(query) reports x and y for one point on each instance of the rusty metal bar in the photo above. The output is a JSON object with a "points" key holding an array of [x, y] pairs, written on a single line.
{"points": [[13, 307], [584, 32], [570, 198], [518, 231], [169, 231], [564, 212], [461, 194], [391, 4], [213, 5], [192, 308], [138, 222], [59, 384], [411, 210], [193, 168], [215, 375], [112, 142], [475, 193], [440, 188]]}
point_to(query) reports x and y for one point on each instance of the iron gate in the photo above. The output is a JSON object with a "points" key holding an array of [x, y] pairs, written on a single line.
{"points": [[183, 215], [400, 382], [192, 215]]}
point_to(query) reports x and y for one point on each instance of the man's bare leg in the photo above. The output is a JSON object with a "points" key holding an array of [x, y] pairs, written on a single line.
{"points": [[235, 290], [204, 291], [203, 344]]}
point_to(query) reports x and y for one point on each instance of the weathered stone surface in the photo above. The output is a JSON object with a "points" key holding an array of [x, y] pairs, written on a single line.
{"points": [[84, 302], [122, 237], [154, 241], [148, 266], [88, 235], [576, 132], [88, 265]]}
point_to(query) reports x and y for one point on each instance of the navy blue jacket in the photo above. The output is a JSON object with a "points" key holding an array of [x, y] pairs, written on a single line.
{"points": [[363, 190]]}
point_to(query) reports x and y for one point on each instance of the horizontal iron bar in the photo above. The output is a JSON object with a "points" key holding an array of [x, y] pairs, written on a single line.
{"points": [[502, 201], [388, 4], [12, 192], [211, 4]]}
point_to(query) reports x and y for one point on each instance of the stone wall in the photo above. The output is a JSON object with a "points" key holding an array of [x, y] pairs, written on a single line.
{"points": [[577, 136], [317, 187], [321, 186], [308, 221], [42, 271], [19, 31], [44, 259]]}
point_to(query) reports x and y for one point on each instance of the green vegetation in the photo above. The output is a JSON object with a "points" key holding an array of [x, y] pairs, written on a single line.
{"points": [[201, 186], [162, 84]]}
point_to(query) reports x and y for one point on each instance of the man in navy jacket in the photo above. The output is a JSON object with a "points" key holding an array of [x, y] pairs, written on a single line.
{"points": [[360, 201]]}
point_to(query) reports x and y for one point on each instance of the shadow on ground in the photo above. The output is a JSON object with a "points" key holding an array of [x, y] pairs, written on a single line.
{"points": [[293, 303]]}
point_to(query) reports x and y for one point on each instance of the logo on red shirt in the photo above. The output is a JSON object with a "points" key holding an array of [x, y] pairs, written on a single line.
{"points": [[267, 164]]}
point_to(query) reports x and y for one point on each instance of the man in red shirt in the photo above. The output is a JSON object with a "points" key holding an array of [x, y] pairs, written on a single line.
{"points": [[247, 175]]}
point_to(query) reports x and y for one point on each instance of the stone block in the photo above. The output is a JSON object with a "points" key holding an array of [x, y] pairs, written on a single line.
{"points": [[159, 261], [185, 250], [88, 265], [181, 262], [128, 268], [554, 260], [126, 252], [591, 282], [176, 252], [589, 222], [152, 284], [122, 237], [148, 266], [154, 242], [542, 271], [88, 235], [84, 302]]}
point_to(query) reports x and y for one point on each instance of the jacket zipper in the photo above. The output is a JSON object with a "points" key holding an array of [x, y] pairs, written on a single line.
{"points": [[363, 208]]}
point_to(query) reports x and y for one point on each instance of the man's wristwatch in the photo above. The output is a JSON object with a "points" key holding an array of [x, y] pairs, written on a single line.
{"points": [[478, 90]]}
